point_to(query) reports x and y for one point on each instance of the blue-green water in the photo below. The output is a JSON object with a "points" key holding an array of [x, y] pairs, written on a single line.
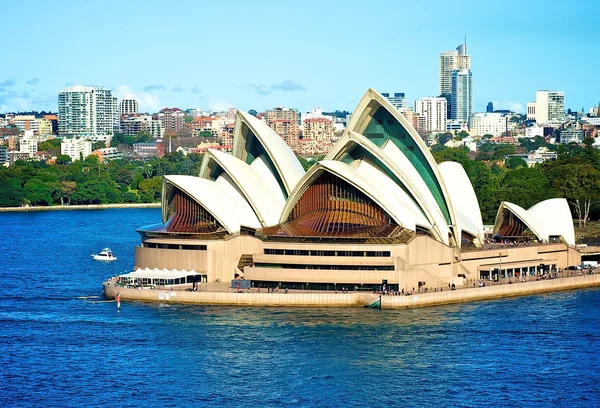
{"points": [[59, 351]]}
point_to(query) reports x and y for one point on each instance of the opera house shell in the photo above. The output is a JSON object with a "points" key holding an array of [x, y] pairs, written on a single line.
{"points": [[377, 209]]}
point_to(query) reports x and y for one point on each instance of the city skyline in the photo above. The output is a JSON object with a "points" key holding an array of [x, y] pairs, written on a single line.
{"points": [[210, 57]]}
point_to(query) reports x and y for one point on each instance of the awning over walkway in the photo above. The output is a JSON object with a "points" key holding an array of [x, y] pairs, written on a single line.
{"points": [[161, 276]]}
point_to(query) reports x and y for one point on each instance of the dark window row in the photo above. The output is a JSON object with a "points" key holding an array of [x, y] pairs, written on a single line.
{"points": [[175, 246], [303, 252], [328, 267]]}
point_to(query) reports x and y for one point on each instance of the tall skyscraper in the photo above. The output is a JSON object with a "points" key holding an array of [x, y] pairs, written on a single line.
{"points": [[86, 112], [434, 111], [127, 106], [462, 95], [451, 61], [490, 107], [397, 99]]}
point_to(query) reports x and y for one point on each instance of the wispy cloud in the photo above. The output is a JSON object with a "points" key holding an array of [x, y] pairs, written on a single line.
{"points": [[33, 81], [154, 87], [147, 101], [195, 90], [7, 83], [285, 86], [177, 89]]}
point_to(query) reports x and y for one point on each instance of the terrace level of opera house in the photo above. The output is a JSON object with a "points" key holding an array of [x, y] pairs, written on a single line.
{"points": [[377, 209]]}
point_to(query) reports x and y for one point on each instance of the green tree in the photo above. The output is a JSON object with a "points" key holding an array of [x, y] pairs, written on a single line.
{"points": [[151, 189], [63, 159], [12, 193], [98, 145], [514, 162], [38, 192], [580, 185]]}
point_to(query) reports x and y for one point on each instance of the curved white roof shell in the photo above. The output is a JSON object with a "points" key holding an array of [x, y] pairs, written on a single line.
{"points": [[279, 153], [394, 201], [464, 200], [210, 196], [556, 217], [262, 192], [545, 219], [363, 117], [398, 165]]}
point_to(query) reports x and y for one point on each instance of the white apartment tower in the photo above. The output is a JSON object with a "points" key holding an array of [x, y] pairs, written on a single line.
{"points": [[549, 106], [87, 112], [461, 99], [127, 106], [434, 111]]}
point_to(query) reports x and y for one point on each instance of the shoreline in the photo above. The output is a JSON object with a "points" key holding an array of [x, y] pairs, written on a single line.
{"points": [[79, 207], [355, 299]]}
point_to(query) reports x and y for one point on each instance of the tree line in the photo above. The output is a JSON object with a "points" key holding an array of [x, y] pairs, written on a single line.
{"points": [[574, 175], [90, 181]]}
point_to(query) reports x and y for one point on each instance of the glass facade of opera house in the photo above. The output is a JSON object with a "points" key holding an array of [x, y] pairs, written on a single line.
{"points": [[377, 209]]}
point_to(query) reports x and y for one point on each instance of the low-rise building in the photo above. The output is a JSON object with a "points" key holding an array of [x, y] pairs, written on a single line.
{"points": [[76, 148], [570, 135], [131, 125], [107, 154], [148, 150], [319, 129], [494, 124], [535, 157]]}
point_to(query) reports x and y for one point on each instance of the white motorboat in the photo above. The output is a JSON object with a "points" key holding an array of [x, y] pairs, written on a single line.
{"points": [[105, 255]]}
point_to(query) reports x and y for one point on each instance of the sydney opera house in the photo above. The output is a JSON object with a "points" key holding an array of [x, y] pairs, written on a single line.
{"points": [[377, 209]]}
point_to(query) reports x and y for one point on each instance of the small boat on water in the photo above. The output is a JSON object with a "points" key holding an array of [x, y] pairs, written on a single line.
{"points": [[104, 255]]}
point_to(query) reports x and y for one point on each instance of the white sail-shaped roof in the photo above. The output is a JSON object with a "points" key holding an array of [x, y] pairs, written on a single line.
{"points": [[464, 200], [393, 202], [378, 120], [210, 196], [393, 162], [556, 217], [286, 165], [262, 192], [529, 220]]}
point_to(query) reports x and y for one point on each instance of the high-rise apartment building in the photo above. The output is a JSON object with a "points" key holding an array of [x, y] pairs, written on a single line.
{"points": [[549, 107], [172, 119], [451, 61], [461, 99], [284, 121], [87, 112], [128, 106], [397, 99], [434, 111]]}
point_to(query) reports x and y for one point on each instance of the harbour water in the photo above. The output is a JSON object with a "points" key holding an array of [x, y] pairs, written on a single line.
{"points": [[56, 350]]}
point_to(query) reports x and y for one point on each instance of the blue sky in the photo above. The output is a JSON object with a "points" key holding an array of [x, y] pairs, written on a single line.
{"points": [[259, 54]]}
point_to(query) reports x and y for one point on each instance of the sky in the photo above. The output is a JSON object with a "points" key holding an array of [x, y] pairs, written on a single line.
{"points": [[261, 54]]}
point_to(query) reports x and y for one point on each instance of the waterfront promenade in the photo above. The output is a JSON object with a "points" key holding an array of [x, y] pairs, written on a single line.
{"points": [[350, 299], [79, 207]]}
